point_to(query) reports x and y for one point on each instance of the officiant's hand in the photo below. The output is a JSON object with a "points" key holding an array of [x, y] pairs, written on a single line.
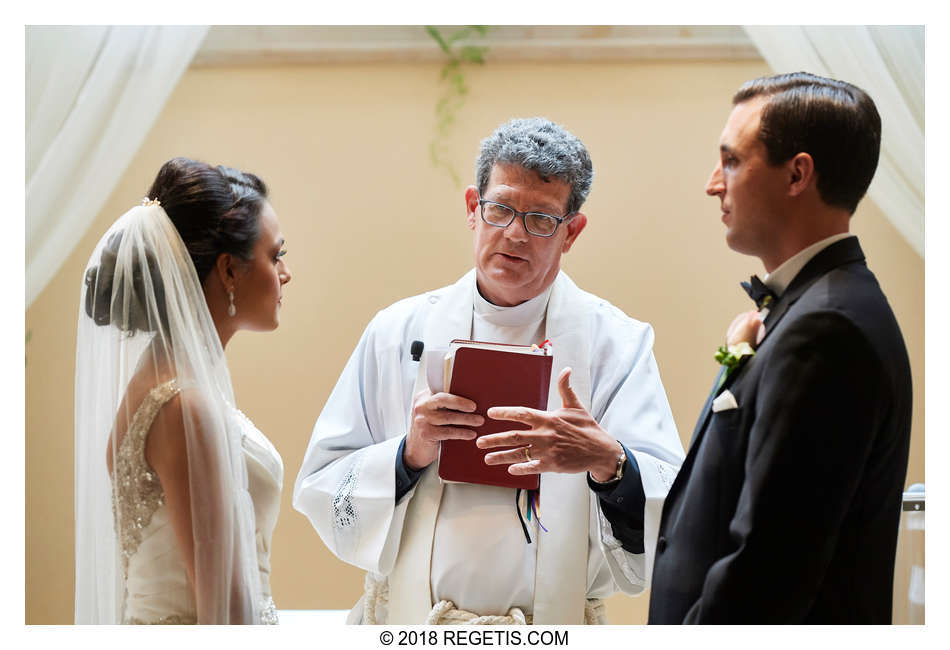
{"points": [[435, 418], [568, 440]]}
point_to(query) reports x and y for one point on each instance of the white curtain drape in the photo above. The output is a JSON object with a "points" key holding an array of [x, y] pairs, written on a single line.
{"points": [[92, 94], [888, 63]]}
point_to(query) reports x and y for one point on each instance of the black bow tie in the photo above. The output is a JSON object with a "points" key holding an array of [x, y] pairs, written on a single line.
{"points": [[761, 294]]}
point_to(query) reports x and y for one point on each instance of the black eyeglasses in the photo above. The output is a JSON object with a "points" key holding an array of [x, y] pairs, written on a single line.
{"points": [[535, 223]]}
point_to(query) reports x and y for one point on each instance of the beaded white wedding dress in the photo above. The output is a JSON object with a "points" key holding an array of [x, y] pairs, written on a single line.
{"points": [[157, 590]]}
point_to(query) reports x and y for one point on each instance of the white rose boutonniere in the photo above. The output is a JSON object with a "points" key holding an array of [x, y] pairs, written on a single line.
{"points": [[743, 336]]}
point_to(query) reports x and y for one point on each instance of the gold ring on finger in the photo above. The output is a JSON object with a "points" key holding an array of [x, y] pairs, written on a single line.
{"points": [[527, 454]]}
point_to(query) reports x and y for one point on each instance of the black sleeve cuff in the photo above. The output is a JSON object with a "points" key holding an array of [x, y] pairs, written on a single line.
{"points": [[406, 477], [622, 504]]}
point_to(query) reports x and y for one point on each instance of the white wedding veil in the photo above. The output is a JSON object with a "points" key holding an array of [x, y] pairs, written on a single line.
{"points": [[143, 321]]}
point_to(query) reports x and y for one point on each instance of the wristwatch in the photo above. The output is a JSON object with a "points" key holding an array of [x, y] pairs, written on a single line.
{"points": [[621, 461]]}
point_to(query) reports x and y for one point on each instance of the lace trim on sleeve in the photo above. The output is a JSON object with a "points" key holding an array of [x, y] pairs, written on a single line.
{"points": [[344, 512]]}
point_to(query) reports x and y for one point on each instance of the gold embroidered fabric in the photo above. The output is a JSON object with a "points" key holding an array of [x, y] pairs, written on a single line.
{"points": [[268, 617], [174, 619], [137, 492]]}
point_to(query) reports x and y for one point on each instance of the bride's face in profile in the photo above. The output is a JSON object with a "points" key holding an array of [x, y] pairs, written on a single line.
{"points": [[258, 289]]}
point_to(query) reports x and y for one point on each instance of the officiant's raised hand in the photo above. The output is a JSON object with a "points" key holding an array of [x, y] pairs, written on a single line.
{"points": [[568, 440], [435, 418]]}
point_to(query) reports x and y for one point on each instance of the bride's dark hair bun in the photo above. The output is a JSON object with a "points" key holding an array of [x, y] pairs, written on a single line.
{"points": [[106, 300], [215, 210]]}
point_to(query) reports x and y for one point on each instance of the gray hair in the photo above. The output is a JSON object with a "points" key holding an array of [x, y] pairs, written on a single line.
{"points": [[542, 146]]}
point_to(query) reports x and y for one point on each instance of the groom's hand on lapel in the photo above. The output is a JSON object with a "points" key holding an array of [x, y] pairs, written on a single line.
{"points": [[746, 327]]}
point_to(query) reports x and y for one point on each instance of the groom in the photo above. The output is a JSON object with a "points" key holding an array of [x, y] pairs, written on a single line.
{"points": [[786, 508]]}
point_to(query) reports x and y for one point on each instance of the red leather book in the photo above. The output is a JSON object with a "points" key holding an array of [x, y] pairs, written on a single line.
{"points": [[492, 374]]}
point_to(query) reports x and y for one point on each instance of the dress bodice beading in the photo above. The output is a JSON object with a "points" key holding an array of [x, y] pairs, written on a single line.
{"points": [[139, 490], [156, 582]]}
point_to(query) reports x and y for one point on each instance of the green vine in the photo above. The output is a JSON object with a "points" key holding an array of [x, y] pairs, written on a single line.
{"points": [[453, 77]]}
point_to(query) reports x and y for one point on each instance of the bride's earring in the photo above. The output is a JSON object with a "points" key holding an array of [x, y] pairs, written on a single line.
{"points": [[231, 310]]}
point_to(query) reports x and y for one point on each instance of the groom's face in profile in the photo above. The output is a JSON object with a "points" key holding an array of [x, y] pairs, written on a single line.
{"points": [[749, 188]]}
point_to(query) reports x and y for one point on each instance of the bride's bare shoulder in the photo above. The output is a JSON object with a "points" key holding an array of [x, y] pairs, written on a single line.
{"points": [[187, 416]]}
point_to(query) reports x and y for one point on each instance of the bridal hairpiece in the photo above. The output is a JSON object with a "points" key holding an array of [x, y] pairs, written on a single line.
{"points": [[147, 201]]}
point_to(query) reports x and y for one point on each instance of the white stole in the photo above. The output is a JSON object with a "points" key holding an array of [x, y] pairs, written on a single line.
{"points": [[560, 589]]}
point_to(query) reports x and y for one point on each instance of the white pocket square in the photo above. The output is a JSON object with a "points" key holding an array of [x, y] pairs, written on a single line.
{"points": [[724, 402]]}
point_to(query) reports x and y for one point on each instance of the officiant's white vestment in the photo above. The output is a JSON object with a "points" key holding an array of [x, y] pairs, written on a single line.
{"points": [[346, 485]]}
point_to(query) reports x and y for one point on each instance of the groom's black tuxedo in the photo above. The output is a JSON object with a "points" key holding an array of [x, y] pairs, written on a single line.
{"points": [[786, 508]]}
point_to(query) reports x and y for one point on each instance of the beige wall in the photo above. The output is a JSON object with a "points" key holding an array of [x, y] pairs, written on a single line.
{"points": [[369, 220]]}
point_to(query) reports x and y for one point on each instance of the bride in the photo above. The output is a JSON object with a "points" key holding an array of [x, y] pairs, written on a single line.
{"points": [[177, 492]]}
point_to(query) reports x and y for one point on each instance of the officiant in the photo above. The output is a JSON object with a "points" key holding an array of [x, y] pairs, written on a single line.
{"points": [[440, 552]]}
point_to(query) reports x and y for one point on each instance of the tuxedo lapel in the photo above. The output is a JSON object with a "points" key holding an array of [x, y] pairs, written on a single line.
{"points": [[843, 252], [722, 383], [683, 474], [718, 385], [846, 251], [723, 380], [838, 254]]}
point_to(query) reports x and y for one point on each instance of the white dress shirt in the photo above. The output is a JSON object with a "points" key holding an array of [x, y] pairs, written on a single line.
{"points": [[779, 279]]}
